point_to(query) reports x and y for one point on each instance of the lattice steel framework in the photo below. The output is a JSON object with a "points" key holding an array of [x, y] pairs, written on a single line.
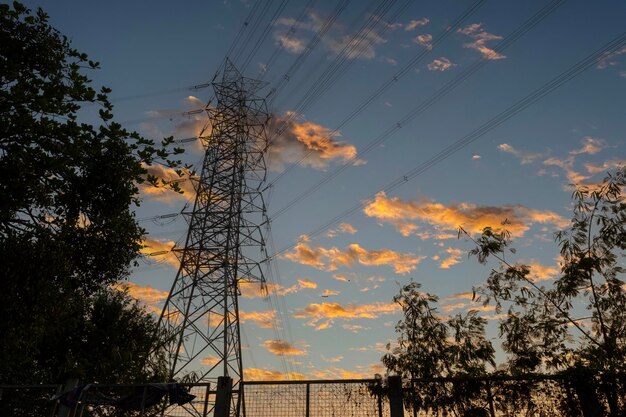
{"points": [[225, 242]]}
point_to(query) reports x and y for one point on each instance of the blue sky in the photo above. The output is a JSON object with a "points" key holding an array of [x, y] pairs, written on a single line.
{"points": [[336, 288]]}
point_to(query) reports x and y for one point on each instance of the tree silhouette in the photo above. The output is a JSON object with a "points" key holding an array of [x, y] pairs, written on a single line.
{"points": [[67, 229]]}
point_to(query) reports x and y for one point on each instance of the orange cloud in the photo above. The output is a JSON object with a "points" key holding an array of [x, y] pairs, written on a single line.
{"points": [[150, 297], [210, 361], [524, 157], [453, 259], [330, 259], [333, 360], [282, 348], [308, 143], [306, 283], [441, 64], [471, 217], [258, 374], [480, 38], [424, 40], [539, 272], [163, 192], [253, 289], [339, 373], [160, 251], [342, 228], [264, 319], [590, 146], [606, 166], [416, 23], [321, 316]]}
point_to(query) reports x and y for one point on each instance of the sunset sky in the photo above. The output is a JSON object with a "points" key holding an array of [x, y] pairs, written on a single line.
{"points": [[362, 199]]}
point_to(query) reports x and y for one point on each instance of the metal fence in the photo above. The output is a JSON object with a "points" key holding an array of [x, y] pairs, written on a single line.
{"points": [[28, 400], [349, 398], [540, 395]]}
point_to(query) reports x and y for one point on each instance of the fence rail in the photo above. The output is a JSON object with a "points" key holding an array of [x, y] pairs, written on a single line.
{"points": [[581, 395]]}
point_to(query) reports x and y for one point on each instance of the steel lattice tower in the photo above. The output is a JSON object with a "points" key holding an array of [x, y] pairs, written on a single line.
{"points": [[224, 242]]}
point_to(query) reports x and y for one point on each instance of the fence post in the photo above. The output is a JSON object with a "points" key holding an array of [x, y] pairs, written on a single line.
{"points": [[396, 405], [64, 411], [379, 390], [307, 410], [206, 400], [492, 409], [143, 401], [223, 396]]}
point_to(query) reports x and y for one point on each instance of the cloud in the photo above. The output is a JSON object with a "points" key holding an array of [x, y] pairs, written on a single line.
{"points": [[417, 23], [608, 59], [425, 40], [306, 283], [282, 348], [606, 166], [258, 374], [210, 361], [290, 43], [148, 296], [341, 277], [352, 46], [342, 228], [524, 157], [263, 319], [441, 64], [160, 251], [453, 259], [329, 293], [360, 47], [590, 146], [333, 359], [480, 37], [339, 373], [473, 218], [354, 328], [165, 175], [539, 272], [307, 143], [322, 316], [185, 125], [329, 259], [254, 289]]}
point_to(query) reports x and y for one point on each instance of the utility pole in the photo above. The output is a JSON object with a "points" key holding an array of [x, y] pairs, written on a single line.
{"points": [[224, 245]]}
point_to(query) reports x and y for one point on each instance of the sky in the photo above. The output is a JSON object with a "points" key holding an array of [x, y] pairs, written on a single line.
{"points": [[362, 200]]}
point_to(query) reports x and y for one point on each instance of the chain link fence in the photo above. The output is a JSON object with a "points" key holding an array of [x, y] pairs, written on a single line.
{"points": [[573, 395], [349, 398], [27, 401]]}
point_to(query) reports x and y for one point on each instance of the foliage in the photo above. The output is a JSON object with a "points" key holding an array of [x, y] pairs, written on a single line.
{"points": [[67, 231], [577, 326], [430, 346], [574, 328]]}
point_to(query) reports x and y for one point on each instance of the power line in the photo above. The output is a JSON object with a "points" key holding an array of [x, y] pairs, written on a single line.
{"points": [[315, 40], [499, 119], [394, 79], [426, 104], [352, 50]]}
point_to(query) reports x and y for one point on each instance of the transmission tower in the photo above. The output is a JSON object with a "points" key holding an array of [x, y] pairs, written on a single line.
{"points": [[224, 242]]}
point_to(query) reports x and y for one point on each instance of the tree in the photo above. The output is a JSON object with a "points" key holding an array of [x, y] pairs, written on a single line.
{"points": [[430, 346], [574, 328], [67, 229], [549, 329]]}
